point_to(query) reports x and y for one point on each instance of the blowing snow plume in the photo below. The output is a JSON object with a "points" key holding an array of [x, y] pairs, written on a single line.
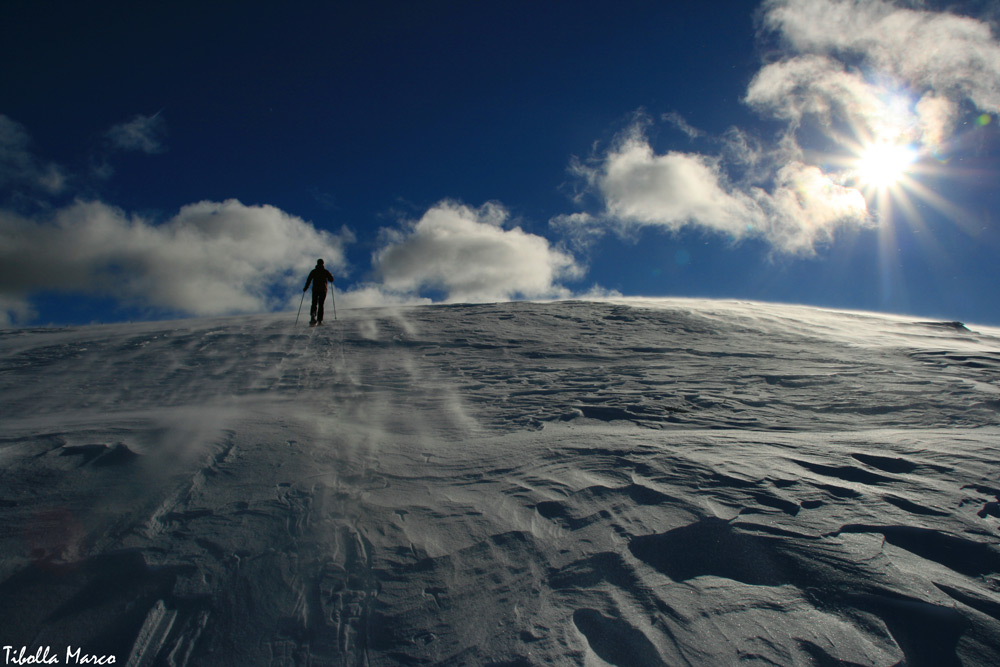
{"points": [[869, 93], [654, 482]]}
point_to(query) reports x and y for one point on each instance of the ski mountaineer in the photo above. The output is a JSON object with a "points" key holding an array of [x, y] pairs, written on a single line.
{"points": [[318, 277]]}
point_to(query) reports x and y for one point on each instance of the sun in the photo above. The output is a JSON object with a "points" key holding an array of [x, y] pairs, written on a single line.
{"points": [[883, 164]]}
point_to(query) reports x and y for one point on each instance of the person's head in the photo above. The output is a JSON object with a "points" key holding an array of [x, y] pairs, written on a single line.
{"points": [[319, 262]]}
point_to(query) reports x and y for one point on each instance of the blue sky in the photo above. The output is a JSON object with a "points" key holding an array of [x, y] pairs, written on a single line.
{"points": [[196, 158]]}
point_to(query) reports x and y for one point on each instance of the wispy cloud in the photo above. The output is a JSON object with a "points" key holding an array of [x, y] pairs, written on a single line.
{"points": [[142, 133], [20, 168], [471, 254], [847, 73], [681, 124], [210, 258]]}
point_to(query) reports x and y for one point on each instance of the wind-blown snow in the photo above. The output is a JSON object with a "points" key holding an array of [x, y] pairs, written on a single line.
{"points": [[629, 483]]}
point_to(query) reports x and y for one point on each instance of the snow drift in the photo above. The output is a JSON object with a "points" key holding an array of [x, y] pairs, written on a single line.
{"points": [[629, 483]]}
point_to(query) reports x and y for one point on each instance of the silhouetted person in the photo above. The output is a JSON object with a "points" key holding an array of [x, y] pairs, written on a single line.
{"points": [[319, 277]]}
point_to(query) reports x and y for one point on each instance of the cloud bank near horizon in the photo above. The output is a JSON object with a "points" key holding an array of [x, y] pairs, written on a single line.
{"points": [[853, 72], [211, 258], [217, 258]]}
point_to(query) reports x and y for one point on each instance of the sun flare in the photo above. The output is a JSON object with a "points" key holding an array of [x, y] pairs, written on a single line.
{"points": [[883, 164]]}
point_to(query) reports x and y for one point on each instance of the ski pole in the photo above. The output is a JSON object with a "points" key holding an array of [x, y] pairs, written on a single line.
{"points": [[333, 295], [300, 307]]}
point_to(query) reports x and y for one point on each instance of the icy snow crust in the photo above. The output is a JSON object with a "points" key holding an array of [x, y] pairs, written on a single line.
{"points": [[629, 483]]}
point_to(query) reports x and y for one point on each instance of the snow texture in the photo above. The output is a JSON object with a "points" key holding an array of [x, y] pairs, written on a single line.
{"points": [[630, 483]]}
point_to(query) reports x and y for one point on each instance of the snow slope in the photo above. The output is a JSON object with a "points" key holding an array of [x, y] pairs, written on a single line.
{"points": [[637, 482]]}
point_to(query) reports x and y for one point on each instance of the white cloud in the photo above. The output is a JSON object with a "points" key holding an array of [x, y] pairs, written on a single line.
{"points": [[211, 258], [806, 207], [814, 85], [142, 133], [939, 58], [672, 190], [853, 72], [471, 255], [936, 118], [956, 56]]}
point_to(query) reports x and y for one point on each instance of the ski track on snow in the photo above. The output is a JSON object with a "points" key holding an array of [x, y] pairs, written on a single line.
{"points": [[628, 483]]}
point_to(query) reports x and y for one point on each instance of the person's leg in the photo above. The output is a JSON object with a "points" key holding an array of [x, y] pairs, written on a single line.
{"points": [[319, 306], [312, 309]]}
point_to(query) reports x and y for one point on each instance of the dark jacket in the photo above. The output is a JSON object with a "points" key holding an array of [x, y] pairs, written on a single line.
{"points": [[319, 277]]}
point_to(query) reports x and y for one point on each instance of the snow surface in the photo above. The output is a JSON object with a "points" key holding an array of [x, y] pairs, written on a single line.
{"points": [[637, 482]]}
